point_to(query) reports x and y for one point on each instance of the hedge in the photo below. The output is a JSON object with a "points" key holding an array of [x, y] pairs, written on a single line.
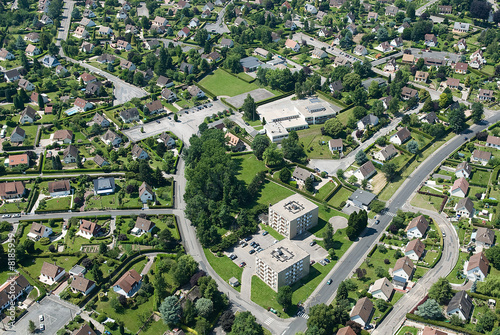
{"points": [[441, 324], [271, 99], [338, 102], [370, 254], [383, 316], [32, 198]]}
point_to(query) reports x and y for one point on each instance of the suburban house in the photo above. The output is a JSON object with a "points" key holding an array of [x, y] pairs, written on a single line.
{"points": [[87, 78], [87, 47], [70, 154], [12, 190], [16, 160], [227, 43], [429, 330], [51, 273], [184, 32], [168, 95], [391, 65], [477, 268], [493, 142], [291, 44], [123, 45], [164, 82], [130, 115], [195, 91], [139, 153], [12, 290], [421, 76], [397, 42], [59, 188], [125, 64], [385, 101], [300, 175], [481, 156], [415, 249], [365, 171], [368, 120], [88, 229], [408, 59], [463, 170], [401, 136], [346, 331], [105, 31], [319, 54], [146, 193], [483, 237], [159, 21], [81, 32], [167, 140], [461, 68], [460, 27], [39, 231], [384, 47], [391, 10], [142, 226], [417, 227], [63, 136], [100, 120], [444, 9], [460, 188], [477, 60], [82, 285], [381, 289], [103, 186], [111, 138], [485, 95], [100, 161], [234, 142], [12, 75], [460, 305], [430, 40], [408, 93], [311, 9], [128, 284], [453, 83], [26, 85], [462, 44], [402, 271], [82, 104], [464, 208], [87, 22], [336, 145], [372, 16], [32, 37], [360, 50], [6, 55], [50, 61], [361, 198], [386, 153], [18, 135], [155, 107], [362, 312], [28, 115], [402, 27], [106, 58]]}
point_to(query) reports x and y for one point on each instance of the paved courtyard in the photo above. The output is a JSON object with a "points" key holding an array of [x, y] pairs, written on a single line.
{"points": [[55, 313], [258, 95]]}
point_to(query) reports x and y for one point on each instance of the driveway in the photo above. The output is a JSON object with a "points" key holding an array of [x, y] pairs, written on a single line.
{"points": [[142, 10], [56, 314]]}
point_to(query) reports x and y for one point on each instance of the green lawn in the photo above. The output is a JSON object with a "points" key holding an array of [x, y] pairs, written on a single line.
{"points": [[340, 196], [248, 166], [345, 116], [271, 193], [480, 177], [272, 232], [13, 207], [224, 267], [315, 144], [57, 204], [222, 83], [422, 201], [325, 190], [34, 268], [408, 330], [453, 276]]}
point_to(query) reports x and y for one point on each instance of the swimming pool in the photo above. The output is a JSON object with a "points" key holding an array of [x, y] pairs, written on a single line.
{"points": [[72, 110]]}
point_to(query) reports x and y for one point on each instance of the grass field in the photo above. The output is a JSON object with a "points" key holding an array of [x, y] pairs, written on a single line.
{"points": [[480, 177], [57, 204], [272, 232], [341, 195], [315, 144], [224, 267], [422, 201], [248, 167], [453, 276], [408, 330], [222, 83], [325, 190]]}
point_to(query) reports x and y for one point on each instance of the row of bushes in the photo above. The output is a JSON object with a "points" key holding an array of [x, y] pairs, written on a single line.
{"points": [[443, 324]]}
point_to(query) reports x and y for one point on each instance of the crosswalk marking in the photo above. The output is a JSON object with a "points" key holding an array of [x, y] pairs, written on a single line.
{"points": [[391, 214], [269, 321], [303, 315]]}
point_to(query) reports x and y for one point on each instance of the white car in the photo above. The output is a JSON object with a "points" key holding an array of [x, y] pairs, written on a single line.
{"points": [[6, 216], [42, 327], [40, 317]]}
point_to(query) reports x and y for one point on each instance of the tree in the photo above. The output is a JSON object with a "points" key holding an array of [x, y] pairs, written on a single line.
{"points": [[342, 292], [493, 255], [292, 149], [259, 145], [351, 81], [186, 267], [204, 307], [486, 322], [285, 296], [352, 179], [321, 317], [389, 169], [96, 273], [249, 108], [480, 9], [377, 206], [272, 155], [456, 117], [359, 96], [20, 43], [31, 326], [246, 324], [412, 146], [334, 127], [430, 310], [309, 184], [285, 175], [361, 157], [227, 320], [170, 311], [477, 112], [441, 291], [176, 117], [115, 304]]}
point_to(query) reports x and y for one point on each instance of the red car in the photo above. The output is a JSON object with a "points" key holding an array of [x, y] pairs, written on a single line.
{"points": [[242, 264]]}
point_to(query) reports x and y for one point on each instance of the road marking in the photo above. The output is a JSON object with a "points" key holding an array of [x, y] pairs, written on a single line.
{"points": [[269, 321], [303, 315], [391, 214]]}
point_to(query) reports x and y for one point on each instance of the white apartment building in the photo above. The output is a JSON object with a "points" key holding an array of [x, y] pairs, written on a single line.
{"points": [[282, 265], [293, 216]]}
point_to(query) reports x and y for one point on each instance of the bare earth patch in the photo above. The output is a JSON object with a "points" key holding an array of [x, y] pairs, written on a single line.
{"points": [[378, 182], [338, 222]]}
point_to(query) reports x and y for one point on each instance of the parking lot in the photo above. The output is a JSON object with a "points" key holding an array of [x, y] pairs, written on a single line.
{"points": [[55, 315]]}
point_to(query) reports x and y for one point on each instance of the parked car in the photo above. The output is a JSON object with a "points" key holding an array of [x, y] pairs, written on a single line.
{"points": [[244, 244], [329, 281], [247, 239], [265, 232], [40, 317], [42, 327], [312, 243], [444, 234], [242, 264], [6, 216], [377, 221], [17, 215], [327, 260], [252, 251], [311, 262]]}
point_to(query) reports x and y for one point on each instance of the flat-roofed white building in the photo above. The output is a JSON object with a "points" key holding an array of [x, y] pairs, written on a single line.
{"points": [[316, 113], [293, 216], [283, 264]]}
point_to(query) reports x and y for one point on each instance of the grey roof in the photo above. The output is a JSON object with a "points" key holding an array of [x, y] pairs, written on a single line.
{"points": [[71, 150], [366, 83], [464, 166], [465, 203], [362, 196], [370, 119], [250, 62], [388, 151], [461, 301], [301, 174], [104, 183], [129, 113]]}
